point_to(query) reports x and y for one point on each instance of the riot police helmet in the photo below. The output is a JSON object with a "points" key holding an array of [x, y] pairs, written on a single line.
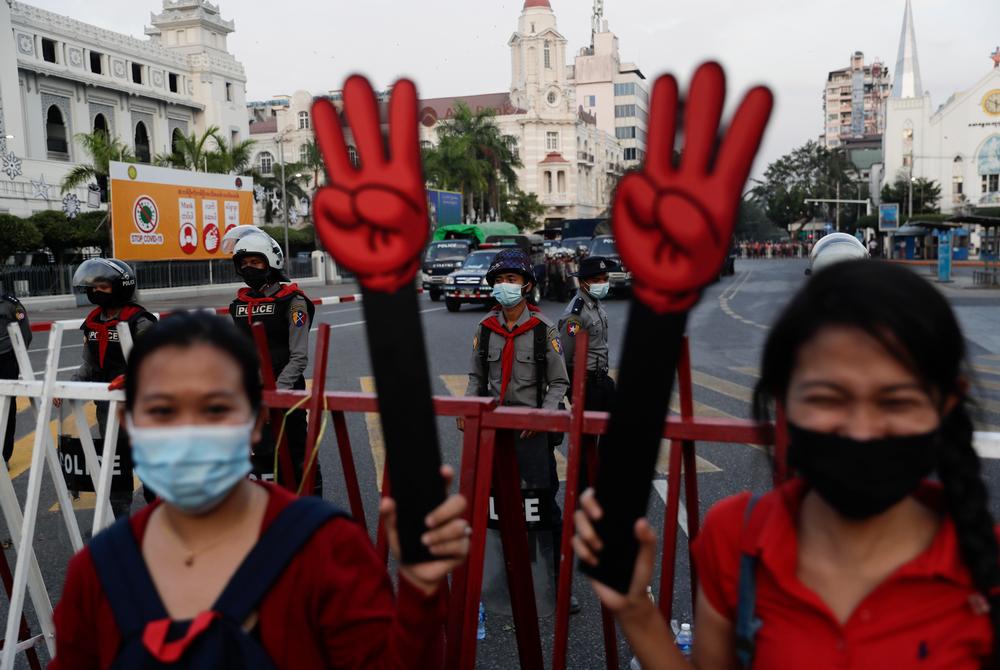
{"points": [[243, 241], [835, 248], [97, 271]]}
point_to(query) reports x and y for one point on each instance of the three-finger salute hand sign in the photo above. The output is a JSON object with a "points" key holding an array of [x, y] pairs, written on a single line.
{"points": [[673, 224], [372, 218]]}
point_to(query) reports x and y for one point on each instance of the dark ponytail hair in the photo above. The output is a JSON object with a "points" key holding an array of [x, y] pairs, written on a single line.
{"points": [[915, 324], [186, 329]]}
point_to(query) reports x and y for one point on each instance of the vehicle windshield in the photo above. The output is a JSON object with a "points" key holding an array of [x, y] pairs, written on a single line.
{"points": [[446, 251], [479, 260], [576, 242], [604, 246]]}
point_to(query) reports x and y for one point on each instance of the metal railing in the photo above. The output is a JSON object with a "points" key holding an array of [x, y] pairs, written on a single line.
{"points": [[41, 280]]}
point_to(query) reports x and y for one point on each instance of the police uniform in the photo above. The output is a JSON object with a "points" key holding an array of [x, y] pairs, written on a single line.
{"points": [[585, 312], [287, 316], [11, 311], [103, 361]]}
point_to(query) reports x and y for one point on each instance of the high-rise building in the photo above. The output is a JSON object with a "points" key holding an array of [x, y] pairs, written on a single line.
{"points": [[616, 93], [854, 101]]}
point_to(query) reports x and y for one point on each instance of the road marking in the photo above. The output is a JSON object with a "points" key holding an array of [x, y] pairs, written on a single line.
{"points": [[701, 465], [682, 514], [748, 371], [722, 386], [729, 294], [986, 369], [20, 460], [358, 323], [376, 441]]}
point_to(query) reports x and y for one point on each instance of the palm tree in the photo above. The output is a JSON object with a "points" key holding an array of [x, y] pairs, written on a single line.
{"points": [[231, 158], [272, 185], [191, 152], [473, 155], [102, 149], [314, 162]]}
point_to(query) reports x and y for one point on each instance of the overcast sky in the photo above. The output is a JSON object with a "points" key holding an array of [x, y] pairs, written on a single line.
{"points": [[459, 47]]}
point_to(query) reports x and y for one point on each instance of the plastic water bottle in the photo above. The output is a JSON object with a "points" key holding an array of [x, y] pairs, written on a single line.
{"points": [[481, 630], [684, 639]]}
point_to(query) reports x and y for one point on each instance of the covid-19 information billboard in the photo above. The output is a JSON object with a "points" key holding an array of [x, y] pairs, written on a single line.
{"points": [[160, 214]]}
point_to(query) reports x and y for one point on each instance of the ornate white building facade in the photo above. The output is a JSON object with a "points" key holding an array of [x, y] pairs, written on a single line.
{"points": [[956, 144], [60, 77]]}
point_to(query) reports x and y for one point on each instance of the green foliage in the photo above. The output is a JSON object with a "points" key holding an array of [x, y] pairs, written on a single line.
{"points": [[293, 188], [472, 156], [926, 194], [752, 223], [93, 229], [102, 150], [810, 171], [523, 210], [17, 235], [299, 239], [59, 234]]}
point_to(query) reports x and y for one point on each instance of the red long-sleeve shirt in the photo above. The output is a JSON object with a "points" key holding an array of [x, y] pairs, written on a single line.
{"points": [[332, 607]]}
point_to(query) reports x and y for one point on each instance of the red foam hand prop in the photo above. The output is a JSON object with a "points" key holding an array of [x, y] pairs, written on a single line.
{"points": [[673, 224], [373, 218]]}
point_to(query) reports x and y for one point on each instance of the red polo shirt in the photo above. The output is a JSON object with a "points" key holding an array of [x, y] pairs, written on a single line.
{"points": [[332, 607], [919, 617]]}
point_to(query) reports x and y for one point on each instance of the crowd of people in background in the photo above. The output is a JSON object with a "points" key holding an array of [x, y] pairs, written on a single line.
{"points": [[770, 249]]}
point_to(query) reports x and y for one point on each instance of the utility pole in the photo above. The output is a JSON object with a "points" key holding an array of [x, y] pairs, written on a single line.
{"points": [[280, 140], [838, 208], [909, 184]]}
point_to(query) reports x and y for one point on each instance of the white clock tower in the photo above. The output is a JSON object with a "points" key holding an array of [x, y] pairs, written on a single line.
{"points": [[538, 63]]}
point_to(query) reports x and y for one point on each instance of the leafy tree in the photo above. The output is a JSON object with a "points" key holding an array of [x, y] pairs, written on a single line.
{"points": [[752, 222], [473, 156], [926, 194], [299, 239], [93, 229], [523, 210], [102, 149], [313, 163], [810, 171], [59, 234], [231, 157], [17, 235], [191, 152]]}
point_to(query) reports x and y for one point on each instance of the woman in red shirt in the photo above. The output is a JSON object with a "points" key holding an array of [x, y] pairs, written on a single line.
{"points": [[859, 562], [193, 400]]}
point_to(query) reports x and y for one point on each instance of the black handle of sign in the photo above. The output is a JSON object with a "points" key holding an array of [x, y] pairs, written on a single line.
{"points": [[627, 453], [406, 410]]}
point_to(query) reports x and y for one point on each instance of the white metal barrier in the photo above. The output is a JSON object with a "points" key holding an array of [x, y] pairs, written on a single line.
{"points": [[27, 574]]}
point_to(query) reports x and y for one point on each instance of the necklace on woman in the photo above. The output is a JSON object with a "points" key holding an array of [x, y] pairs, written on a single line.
{"points": [[191, 554]]}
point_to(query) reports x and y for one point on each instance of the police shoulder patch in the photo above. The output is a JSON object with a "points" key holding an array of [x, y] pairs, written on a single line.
{"points": [[299, 317], [573, 327], [556, 346], [475, 342], [19, 314]]}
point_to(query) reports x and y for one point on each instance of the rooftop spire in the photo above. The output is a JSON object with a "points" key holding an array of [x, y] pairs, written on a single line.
{"points": [[906, 82]]}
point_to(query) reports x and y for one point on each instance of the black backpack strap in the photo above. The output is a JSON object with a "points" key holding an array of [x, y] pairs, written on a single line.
{"points": [[541, 332], [747, 623], [483, 344], [125, 579], [275, 549]]}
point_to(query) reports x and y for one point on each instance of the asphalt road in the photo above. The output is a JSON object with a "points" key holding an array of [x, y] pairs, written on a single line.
{"points": [[727, 331]]}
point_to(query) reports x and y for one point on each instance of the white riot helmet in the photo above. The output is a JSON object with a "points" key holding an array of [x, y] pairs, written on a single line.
{"points": [[834, 248], [243, 241]]}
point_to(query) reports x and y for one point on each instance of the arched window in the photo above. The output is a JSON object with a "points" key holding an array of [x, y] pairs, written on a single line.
{"points": [[141, 143], [548, 181], [352, 155], [55, 135], [562, 181], [177, 141], [303, 120], [988, 167], [548, 57], [101, 124], [265, 162]]}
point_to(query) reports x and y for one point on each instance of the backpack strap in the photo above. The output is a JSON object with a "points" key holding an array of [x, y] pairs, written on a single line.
{"points": [[747, 623], [125, 578], [541, 331], [275, 549], [484, 363]]}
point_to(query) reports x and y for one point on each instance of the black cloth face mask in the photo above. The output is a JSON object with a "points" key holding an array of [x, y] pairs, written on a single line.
{"points": [[100, 298], [255, 278], [861, 479]]}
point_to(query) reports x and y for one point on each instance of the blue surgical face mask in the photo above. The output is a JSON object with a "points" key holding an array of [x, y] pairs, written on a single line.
{"points": [[599, 291], [191, 467], [508, 295]]}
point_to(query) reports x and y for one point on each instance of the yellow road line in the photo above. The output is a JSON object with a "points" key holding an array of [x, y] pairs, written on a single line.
{"points": [[376, 442], [722, 386], [748, 371]]}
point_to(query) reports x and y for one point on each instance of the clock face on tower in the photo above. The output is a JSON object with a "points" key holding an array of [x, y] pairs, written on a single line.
{"points": [[991, 102]]}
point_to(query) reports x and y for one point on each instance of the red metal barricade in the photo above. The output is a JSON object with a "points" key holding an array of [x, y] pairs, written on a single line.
{"points": [[489, 460]]}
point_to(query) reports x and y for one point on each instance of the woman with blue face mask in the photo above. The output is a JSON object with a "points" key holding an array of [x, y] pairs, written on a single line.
{"points": [[861, 560], [225, 565]]}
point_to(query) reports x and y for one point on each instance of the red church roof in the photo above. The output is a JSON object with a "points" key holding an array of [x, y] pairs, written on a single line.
{"points": [[528, 4], [554, 156]]}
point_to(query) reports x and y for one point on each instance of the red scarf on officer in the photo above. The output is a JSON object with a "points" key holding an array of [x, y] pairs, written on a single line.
{"points": [[102, 328], [507, 358]]}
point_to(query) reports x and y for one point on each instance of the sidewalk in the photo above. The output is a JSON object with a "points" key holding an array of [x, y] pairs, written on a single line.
{"points": [[208, 298]]}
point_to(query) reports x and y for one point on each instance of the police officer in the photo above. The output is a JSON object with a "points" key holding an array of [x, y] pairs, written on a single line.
{"points": [[517, 357], [287, 315], [585, 312], [110, 286], [11, 311]]}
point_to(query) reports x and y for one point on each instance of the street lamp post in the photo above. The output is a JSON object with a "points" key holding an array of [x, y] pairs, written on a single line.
{"points": [[280, 141], [910, 196]]}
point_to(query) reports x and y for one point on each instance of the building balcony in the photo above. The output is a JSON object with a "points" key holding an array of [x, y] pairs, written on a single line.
{"points": [[557, 200]]}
